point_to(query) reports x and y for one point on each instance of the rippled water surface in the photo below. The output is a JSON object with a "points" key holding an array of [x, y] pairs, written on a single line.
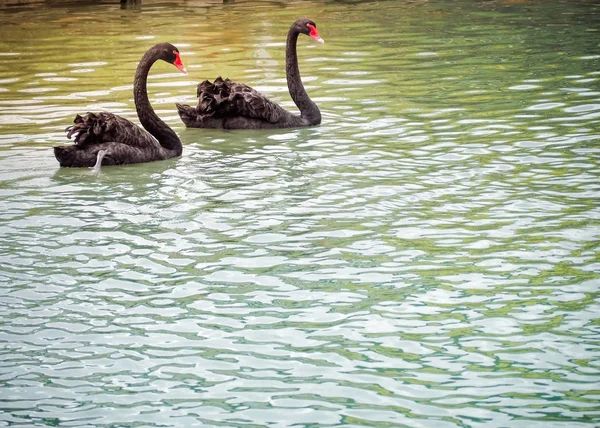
{"points": [[427, 257]]}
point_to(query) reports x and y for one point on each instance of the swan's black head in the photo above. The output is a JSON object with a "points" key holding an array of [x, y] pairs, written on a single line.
{"points": [[169, 53], [307, 26]]}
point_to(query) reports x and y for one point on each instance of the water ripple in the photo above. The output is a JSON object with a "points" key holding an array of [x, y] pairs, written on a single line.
{"points": [[425, 257]]}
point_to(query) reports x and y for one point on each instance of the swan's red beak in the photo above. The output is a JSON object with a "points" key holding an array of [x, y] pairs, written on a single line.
{"points": [[315, 34], [178, 63]]}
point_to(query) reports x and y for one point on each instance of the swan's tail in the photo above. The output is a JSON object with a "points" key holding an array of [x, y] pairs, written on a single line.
{"points": [[74, 156], [188, 114]]}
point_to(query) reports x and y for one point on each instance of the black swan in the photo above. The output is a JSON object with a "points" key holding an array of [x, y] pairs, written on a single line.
{"points": [[229, 105], [107, 139]]}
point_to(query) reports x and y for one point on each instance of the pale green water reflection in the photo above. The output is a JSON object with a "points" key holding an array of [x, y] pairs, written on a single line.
{"points": [[428, 257]]}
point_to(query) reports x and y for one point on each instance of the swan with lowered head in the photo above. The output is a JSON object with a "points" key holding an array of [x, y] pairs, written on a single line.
{"points": [[107, 139], [226, 104]]}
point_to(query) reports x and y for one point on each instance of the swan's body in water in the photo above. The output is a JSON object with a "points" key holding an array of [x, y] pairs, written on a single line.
{"points": [[107, 139], [229, 105]]}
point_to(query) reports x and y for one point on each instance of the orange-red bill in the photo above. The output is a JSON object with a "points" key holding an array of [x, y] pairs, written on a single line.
{"points": [[178, 62], [315, 34]]}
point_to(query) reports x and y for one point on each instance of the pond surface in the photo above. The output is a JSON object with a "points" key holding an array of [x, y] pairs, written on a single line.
{"points": [[427, 257]]}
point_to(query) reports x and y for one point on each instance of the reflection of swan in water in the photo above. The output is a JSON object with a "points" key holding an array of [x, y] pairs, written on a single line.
{"points": [[107, 139], [230, 105], [131, 4]]}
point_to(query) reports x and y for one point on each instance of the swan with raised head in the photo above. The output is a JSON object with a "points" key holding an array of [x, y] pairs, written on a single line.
{"points": [[226, 104], [107, 139]]}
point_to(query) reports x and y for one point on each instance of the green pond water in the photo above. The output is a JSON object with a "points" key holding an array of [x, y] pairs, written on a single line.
{"points": [[426, 257]]}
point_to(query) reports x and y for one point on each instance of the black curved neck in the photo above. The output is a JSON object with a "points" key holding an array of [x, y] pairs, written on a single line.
{"points": [[148, 118], [308, 109]]}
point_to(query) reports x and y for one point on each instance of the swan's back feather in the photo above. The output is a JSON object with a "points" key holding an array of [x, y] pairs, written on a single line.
{"points": [[97, 128], [226, 98]]}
